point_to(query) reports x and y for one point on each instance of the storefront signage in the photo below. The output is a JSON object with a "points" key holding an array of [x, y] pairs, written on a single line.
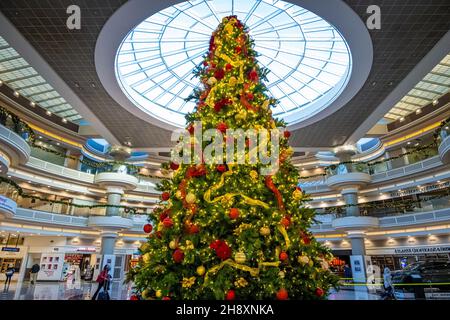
{"points": [[409, 250], [419, 250], [86, 249], [10, 249]]}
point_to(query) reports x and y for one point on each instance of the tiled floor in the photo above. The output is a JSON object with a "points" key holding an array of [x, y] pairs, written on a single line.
{"points": [[60, 291], [85, 290]]}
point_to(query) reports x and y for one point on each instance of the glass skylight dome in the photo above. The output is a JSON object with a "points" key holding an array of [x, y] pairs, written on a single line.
{"points": [[309, 61]]}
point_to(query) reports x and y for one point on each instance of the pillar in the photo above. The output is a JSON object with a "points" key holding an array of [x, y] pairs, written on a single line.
{"points": [[361, 264], [351, 198], [114, 196], [108, 243]]}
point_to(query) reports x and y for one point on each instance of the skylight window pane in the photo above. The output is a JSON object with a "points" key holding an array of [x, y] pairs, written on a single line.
{"points": [[177, 38]]}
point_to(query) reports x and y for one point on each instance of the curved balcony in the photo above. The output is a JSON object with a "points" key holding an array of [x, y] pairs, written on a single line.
{"points": [[110, 223], [349, 180], [444, 147], [355, 223], [116, 179], [14, 149], [7, 207]]}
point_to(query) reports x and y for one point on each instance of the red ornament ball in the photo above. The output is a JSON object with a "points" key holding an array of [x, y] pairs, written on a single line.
{"points": [[230, 295], [282, 294], [299, 189], [165, 298], [221, 168], [174, 166], [219, 74], [283, 256], [287, 134], [253, 75], [165, 196], [250, 96], [234, 213], [191, 129], [193, 228], [148, 228], [285, 221], [319, 292], [168, 222], [228, 67], [238, 50], [134, 297], [222, 127], [205, 63], [178, 256]]}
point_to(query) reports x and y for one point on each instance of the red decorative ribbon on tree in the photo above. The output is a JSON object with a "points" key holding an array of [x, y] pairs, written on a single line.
{"points": [[274, 189]]}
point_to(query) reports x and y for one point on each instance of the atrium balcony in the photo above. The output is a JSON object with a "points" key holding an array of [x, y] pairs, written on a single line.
{"points": [[14, 148], [110, 223], [444, 146], [350, 175], [352, 223], [8, 200], [116, 179]]}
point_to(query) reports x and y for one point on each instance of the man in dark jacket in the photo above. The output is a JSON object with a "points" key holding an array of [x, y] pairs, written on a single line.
{"points": [[34, 273]]}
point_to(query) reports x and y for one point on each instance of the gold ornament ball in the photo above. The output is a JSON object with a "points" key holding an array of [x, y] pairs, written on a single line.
{"points": [[173, 244], [281, 274], [303, 260], [178, 194], [254, 174], [297, 195], [145, 294], [264, 231], [190, 198], [201, 270], [240, 257], [158, 294], [146, 257]]}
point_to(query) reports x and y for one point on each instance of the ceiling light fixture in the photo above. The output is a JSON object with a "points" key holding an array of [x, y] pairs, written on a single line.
{"points": [[32, 104], [402, 119], [435, 102], [48, 113], [64, 120], [17, 94], [419, 111]]}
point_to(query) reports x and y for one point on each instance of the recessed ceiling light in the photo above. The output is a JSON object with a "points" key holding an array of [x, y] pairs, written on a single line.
{"points": [[1, 82], [435, 102], [17, 94], [32, 104], [40, 137], [64, 120], [57, 143], [402, 119], [409, 142], [48, 113], [419, 111], [9, 176]]}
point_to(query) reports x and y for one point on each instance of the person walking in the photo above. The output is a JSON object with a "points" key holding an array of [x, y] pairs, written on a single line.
{"points": [[103, 282], [34, 273], [9, 273], [347, 273], [387, 283]]}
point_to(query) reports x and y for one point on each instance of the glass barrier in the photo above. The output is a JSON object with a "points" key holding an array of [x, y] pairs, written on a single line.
{"points": [[344, 168], [386, 209], [13, 123], [8, 191]]}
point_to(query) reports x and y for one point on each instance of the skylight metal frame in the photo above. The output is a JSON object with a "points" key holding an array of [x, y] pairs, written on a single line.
{"points": [[329, 67]]}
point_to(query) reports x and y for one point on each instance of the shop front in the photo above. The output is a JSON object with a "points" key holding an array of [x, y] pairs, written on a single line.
{"points": [[400, 257]]}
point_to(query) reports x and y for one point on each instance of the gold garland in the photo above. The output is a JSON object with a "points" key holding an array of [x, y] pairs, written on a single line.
{"points": [[248, 200], [254, 272], [285, 236]]}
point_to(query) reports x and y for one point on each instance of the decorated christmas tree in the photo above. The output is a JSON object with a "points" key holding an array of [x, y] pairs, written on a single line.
{"points": [[225, 230]]}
